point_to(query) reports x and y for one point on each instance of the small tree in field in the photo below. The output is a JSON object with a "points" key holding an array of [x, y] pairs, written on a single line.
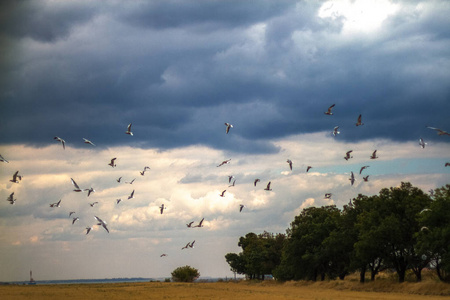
{"points": [[185, 274]]}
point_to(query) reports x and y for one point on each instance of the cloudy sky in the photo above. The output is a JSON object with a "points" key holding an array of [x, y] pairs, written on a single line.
{"points": [[178, 70]]}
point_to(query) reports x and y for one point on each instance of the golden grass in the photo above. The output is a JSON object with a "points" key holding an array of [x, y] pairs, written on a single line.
{"points": [[231, 290]]}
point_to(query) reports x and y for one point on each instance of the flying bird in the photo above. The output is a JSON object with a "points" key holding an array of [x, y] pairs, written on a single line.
{"points": [[92, 204], [308, 168], [328, 195], [130, 182], [102, 223], [359, 123], [439, 131], [74, 220], [228, 127], [256, 181], [234, 181], [88, 142], [352, 179], [348, 155], [71, 213], [336, 131], [224, 162], [290, 163], [191, 245], [16, 177], [374, 155], [118, 201], [362, 168], [366, 178], [187, 246], [241, 206], [129, 130], [200, 224], [447, 164], [91, 190], [57, 204], [268, 187], [189, 224], [119, 179], [229, 178], [11, 198], [77, 188], [145, 169], [112, 163], [328, 112], [223, 193], [162, 255], [422, 143], [2, 159], [88, 229], [131, 195], [162, 207], [63, 142]]}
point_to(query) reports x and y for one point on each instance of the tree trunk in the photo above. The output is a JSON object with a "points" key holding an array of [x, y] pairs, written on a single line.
{"points": [[322, 277], [362, 274], [401, 274]]}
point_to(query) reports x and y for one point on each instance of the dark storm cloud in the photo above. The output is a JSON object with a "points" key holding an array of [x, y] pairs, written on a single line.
{"points": [[178, 71]]}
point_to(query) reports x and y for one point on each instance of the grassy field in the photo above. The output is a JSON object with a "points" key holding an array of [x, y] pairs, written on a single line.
{"points": [[231, 290]]}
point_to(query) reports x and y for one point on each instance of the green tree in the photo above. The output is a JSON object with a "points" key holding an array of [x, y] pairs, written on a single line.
{"points": [[185, 274], [434, 236]]}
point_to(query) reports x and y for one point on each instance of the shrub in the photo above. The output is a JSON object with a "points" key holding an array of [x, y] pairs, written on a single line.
{"points": [[185, 274]]}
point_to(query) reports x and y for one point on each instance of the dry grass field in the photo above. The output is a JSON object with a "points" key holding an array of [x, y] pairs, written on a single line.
{"points": [[231, 290]]}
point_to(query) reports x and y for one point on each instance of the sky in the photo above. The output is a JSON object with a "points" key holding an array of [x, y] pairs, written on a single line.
{"points": [[178, 71]]}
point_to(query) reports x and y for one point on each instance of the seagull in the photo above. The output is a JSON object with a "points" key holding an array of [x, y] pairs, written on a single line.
{"points": [[145, 169], [118, 201], [74, 220], [362, 168], [129, 130], [131, 195], [374, 155], [336, 130], [347, 155], [162, 208], [366, 178], [290, 163], [163, 255], [308, 168], [268, 187], [15, 176], [234, 181], [101, 222], [224, 162], [92, 204], [77, 188], [256, 181], [228, 127], [192, 244], [328, 112], [119, 179], [229, 178], [56, 204], [187, 245], [439, 131], [63, 142], [2, 159], [223, 193], [71, 213], [422, 143], [88, 142], [328, 195], [200, 224], [189, 224], [88, 229], [241, 206], [130, 182], [447, 164], [359, 123], [11, 198], [112, 163], [352, 179], [91, 190]]}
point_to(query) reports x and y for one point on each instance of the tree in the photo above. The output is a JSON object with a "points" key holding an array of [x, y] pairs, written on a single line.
{"points": [[185, 274]]}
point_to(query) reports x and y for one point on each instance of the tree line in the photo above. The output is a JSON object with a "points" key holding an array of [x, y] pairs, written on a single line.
{"points": [[402, 228]]}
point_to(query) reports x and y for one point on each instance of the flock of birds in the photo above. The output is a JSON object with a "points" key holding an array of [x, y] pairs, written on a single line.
{"points": [[16, 178]]}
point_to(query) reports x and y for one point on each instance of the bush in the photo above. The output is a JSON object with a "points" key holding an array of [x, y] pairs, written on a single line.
{"points": [[185, 274]]}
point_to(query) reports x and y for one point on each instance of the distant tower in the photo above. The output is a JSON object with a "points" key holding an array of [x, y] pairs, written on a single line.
{"points": [[31, 278]]}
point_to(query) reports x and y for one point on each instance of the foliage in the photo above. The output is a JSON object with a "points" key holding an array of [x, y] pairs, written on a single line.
{"points": [[185, 274]]}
